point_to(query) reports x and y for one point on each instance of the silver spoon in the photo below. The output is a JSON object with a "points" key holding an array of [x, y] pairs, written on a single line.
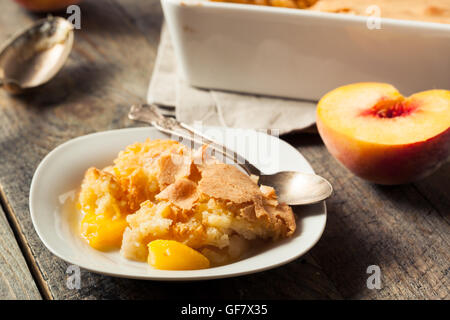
{"points": [[34, 56], [293, 188]]}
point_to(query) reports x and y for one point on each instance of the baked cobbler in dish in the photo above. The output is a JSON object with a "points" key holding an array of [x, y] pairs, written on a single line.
{"points": [[430, 10], [177, 208]]}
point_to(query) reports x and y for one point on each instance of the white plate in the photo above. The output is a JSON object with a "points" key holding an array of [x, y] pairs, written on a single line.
{"points": [[59, 175]]}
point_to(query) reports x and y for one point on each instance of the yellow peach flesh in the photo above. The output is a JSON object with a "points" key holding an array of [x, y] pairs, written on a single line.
{"points": [[430, 117], [103, 233], [174, 255]]}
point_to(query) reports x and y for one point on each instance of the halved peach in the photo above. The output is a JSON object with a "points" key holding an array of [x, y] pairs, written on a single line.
{"points": [[382, 136]]}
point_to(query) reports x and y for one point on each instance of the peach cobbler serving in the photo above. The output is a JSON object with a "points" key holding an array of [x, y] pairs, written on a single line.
{"points": [[178, 208]]}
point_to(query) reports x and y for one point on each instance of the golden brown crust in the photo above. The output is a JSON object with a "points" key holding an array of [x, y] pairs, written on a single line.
{"points": [[172, 167], [283, 217], [183, 193], [419, 10], [97, 183], [226, 182], [136, 188]]}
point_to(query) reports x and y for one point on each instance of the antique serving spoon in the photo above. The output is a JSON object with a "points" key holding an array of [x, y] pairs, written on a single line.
{"points": [[35, 55], [293, 188]]}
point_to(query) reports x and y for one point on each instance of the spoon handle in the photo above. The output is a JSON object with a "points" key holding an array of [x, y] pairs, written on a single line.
{"points": [[150, 114]]}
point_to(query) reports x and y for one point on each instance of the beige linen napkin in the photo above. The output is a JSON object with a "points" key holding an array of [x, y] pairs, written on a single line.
{"points": [[218, 108]]}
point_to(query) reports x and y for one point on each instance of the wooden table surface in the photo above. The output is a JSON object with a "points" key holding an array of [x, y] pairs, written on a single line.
{"points": [[402, 229]]}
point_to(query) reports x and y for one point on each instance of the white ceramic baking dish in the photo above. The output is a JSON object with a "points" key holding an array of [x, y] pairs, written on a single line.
{"points": [[300, 53]]}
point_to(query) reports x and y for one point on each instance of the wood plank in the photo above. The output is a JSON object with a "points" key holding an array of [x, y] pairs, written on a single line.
{"points": [[301, 279], [16, 281], [109, 69], [396, 228], [436, 190]]}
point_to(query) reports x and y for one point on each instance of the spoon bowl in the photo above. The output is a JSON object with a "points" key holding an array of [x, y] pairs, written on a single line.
{"points": [[298, 188], [36, 54]]}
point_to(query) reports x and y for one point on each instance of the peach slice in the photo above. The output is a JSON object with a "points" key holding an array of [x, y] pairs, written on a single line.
{"points": [[174, 255], [382, 136], [103, 232]]}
